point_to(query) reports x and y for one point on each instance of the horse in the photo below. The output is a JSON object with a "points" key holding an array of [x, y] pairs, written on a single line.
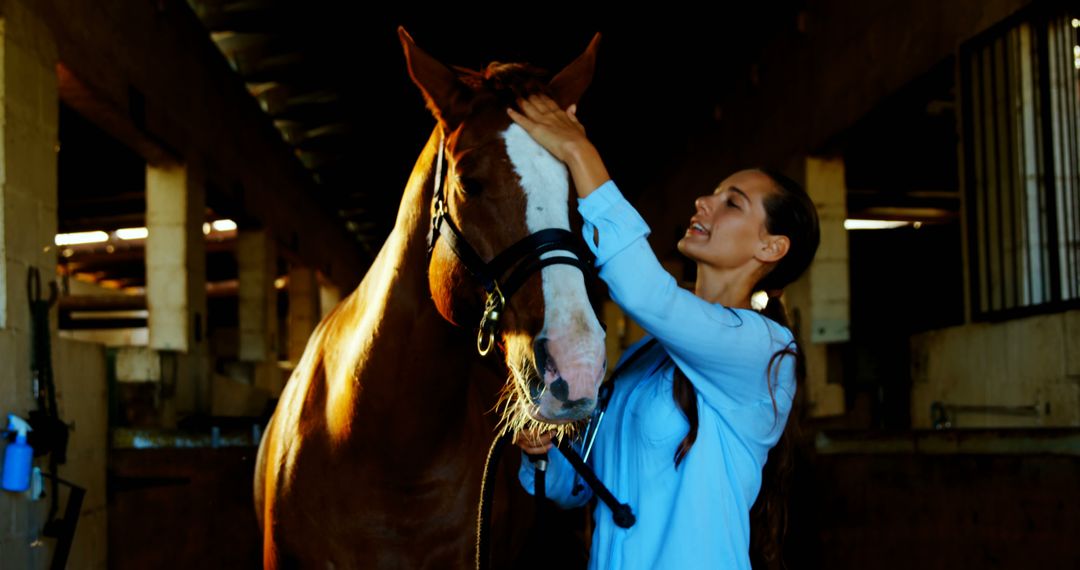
{"points": [[373, 456]]}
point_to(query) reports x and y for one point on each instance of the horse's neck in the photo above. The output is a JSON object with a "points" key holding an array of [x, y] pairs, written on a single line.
{"points": [[398, 351], [397, 283]]}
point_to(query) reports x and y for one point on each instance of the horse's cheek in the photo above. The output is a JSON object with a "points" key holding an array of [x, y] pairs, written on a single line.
{"points": [[442, 283]]}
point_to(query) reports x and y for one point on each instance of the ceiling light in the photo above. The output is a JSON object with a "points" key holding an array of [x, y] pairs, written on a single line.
{"points": [[78, 238], [132, 233], [224, 225], [873, 224]]}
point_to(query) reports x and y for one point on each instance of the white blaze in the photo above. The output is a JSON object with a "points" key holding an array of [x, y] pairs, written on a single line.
{"points": [[546, 183]]}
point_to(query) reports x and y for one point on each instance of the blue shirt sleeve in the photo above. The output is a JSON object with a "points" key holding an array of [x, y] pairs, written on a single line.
{"points": [[720, 349], [560, 481]]}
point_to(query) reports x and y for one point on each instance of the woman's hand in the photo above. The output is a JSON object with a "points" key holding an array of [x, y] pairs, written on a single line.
{"points": [[564, 137], [533, 442], [557, 130]]}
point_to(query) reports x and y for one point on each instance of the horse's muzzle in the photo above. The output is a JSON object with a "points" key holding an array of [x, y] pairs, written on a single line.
{"points": [[570, 377]]}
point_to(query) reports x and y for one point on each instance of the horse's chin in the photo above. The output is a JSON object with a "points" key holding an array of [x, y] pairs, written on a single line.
{"points": [[525, 403], [533, 411], [521, 413]]}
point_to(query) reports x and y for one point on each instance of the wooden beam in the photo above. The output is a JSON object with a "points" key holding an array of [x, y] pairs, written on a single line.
{"points": [[103, 303]]}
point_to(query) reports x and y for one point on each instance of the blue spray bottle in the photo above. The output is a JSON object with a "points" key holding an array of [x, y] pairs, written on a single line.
{"points": [[18, 457]]}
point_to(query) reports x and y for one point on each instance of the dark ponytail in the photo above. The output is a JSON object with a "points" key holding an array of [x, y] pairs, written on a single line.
{"points": [[769, 514], [790, 212], [682, 390]]}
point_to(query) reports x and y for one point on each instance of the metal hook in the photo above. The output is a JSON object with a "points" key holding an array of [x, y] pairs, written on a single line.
{"points": [[484, 341], [33, 288], [489, 323]]}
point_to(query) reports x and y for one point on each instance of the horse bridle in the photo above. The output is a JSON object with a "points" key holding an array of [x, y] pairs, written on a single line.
{"points": [[511, 267]]}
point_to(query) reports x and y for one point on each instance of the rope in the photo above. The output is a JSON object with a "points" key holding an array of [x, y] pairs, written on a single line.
{"points": [[487, 495]]}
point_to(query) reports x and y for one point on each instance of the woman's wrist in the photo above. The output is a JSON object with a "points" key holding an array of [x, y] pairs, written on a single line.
{"points": [[586, 167]]}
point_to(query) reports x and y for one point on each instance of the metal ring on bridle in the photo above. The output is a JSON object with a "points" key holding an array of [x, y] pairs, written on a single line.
{"points": [[489, 323]]}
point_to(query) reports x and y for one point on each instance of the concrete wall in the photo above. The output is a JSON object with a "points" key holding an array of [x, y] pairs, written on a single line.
{"points": [[82, 397], [1033, 361], [28, 128], [79, 370]]}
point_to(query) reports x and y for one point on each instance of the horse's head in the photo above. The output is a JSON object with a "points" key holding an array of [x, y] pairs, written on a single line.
{"points": [[499, 187]]}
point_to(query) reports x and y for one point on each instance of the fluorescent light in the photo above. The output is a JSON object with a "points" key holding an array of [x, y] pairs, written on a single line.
{"points": [[132, 233], [873, 224], [224, 225], [78, 238], [206, 228], [132, 314]]}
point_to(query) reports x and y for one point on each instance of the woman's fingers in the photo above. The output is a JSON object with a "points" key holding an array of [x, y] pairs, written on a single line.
{"points": [[538, 104], [536, 450], [546, 112], [530, 106], [552, 127], [533, 442], [544, 102], [525, 122]]}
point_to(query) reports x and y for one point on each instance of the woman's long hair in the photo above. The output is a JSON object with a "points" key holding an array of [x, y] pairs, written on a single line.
{"points": [[790, 212]]}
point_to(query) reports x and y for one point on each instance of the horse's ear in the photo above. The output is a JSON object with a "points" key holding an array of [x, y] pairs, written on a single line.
{"points": [[569, 85], [446, 97]]}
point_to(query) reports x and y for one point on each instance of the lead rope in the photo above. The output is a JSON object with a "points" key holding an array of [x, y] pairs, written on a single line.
{"points": [[621, 513], [487, 494]]}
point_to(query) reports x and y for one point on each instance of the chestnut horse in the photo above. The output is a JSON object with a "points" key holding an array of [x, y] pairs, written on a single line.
{"points": [[374, 456]]}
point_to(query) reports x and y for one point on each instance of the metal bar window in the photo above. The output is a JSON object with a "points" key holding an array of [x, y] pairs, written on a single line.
{"points": [[1020, 89]]}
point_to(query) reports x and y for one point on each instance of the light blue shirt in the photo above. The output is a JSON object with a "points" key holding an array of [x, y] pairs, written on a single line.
{"points": [[696, 516]]}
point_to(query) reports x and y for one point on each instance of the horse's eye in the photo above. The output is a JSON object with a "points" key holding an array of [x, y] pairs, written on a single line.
{"points": [[471, 186]]}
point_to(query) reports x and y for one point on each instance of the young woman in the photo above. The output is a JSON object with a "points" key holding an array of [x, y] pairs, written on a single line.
{"points": [[692, 419]]}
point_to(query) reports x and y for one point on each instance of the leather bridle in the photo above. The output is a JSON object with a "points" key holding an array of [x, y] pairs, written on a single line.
{"points": [[504, 274]]}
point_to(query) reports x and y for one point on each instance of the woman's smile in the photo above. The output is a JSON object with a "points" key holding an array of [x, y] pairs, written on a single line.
{"points": [[697, 228]]}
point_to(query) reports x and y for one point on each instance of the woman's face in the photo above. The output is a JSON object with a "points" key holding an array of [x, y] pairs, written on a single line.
{"points": [[728, 226]]}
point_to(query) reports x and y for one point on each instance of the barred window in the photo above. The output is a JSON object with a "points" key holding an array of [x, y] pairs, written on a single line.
{"points": [[1021, 156]]}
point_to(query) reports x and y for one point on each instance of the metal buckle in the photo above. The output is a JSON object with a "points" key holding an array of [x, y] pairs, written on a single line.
{"points": [[440, 208], [489, 324]]}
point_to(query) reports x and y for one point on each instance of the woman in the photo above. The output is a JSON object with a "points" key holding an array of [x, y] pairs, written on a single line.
{"points": [[692, 419]]}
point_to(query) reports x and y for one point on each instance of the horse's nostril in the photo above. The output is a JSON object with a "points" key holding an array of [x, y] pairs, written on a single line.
{"points": [[536, 389], [561, 390], [541, 353], [536, 381]]}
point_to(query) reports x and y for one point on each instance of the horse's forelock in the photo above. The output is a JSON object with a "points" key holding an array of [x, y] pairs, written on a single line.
{"points": [[506, 81]]}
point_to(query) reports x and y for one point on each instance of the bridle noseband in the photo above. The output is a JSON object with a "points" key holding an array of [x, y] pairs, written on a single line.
{"points": [[511, 267]]}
